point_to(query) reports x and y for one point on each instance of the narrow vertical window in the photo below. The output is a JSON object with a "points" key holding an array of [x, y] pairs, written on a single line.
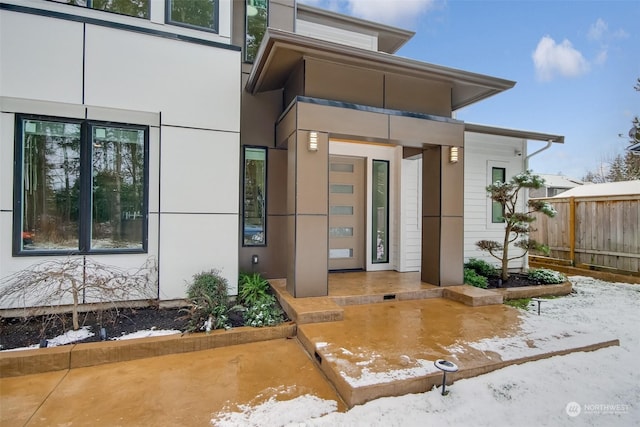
{"points": [[380, 212], [497, 174], [201, 14], [256, 24], [50, 185], [117, 191], [255, 177]]}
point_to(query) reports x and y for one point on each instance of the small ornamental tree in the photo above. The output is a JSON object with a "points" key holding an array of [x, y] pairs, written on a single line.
{"points": [[517, 224]]}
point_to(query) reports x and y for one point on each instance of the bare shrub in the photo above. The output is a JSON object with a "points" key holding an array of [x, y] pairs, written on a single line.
{"points": [[77, 280]]}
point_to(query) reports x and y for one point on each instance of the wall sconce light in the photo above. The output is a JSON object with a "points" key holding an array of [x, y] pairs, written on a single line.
{"points": [[313, 141], [453, 154]]}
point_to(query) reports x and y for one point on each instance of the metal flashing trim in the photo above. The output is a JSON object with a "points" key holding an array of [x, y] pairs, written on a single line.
{"points": [[369, 109]]}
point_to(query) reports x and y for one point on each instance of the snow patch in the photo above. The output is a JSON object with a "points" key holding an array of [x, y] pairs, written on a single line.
{"points": [[147, 333]]}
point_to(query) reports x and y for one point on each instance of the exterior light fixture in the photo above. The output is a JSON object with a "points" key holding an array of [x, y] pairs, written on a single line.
{"points": [[453, 154], [313, 141], [445, 366]]}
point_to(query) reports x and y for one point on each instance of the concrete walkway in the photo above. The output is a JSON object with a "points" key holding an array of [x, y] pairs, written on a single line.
{"points": [[347, 354], [185, 389]]}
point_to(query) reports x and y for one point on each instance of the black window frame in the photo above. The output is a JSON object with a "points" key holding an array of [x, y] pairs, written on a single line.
{"points": [[374, 237], [216, 20], [495, 204], [89, 5], [266, 186], [85, 184]]}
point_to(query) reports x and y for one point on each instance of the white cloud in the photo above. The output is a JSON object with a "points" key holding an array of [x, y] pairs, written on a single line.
{"points": [[552, 59], [598, 30], [599, 33], [403, 13]]}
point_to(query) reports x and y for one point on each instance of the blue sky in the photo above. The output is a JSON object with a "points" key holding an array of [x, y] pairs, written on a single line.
{"points": [[575, 64]]}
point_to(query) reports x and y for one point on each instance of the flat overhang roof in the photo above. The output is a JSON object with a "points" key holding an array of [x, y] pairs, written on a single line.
{"points": [[515, 133], [281, 51]]}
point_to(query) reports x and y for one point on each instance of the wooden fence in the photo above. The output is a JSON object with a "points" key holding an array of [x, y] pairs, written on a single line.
{"points": [[593, 231]]}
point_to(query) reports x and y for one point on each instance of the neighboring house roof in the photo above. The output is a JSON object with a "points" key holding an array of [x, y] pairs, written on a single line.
{"points": [[605, 189], [635, 148], [560, 181], [524, 134], [390, 39], [281, 51]]}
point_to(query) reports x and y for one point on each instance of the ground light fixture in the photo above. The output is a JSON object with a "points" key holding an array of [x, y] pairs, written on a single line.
{"points": [[453, 154], [445, 366]]}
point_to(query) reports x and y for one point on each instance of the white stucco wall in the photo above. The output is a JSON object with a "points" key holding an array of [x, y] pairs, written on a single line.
{"points": [[189, 95]]}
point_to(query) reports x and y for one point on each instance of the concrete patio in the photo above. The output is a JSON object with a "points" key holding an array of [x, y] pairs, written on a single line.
{"points": [[349, 354]]}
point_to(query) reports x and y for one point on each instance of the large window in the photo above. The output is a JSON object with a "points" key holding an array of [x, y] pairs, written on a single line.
{"points": [[380, 212], [497, 174], [201, 14], [257, 13], [137, 8], [255, 177], [81, 186]]}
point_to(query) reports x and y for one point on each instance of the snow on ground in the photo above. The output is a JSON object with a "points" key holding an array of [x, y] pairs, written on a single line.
{"points": [[147, 333], [66, 338], [584, 389], [71, 337]]}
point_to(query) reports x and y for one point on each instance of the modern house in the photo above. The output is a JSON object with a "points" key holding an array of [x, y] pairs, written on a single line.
{"points": [[248, 135]]}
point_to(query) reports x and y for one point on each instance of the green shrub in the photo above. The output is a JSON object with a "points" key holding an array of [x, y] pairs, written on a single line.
{"points": [[252, 289], [474, 279], [521, 303], [264, 313], [481, 267], [209, 302], [544, 276]]}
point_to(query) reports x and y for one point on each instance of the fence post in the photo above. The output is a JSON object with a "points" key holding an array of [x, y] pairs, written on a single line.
{"points": [[572, 230]]}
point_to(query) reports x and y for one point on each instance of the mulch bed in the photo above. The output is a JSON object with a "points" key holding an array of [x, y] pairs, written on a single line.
{"points": [[18, 332], [515, 280], [22, 332]]}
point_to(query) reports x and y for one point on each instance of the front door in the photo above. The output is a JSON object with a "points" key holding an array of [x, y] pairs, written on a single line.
{"points": [[346, 213]]}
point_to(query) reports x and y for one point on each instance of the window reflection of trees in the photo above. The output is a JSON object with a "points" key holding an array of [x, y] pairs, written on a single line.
{"points": [[257, 17], [51, 183], [117, 187], [52, 191]]}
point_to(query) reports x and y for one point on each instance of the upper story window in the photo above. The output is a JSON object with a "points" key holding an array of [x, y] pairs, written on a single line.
{"points": [[137, 8], [80, 186], [257, 13], [200, 14]]}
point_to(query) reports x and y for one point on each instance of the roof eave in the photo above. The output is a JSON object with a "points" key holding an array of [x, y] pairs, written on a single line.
{"points": [[515, 133], [273, 39]]}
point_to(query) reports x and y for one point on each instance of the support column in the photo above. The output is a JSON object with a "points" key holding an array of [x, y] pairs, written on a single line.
{"points": [[442, 217], [308, 215]]}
